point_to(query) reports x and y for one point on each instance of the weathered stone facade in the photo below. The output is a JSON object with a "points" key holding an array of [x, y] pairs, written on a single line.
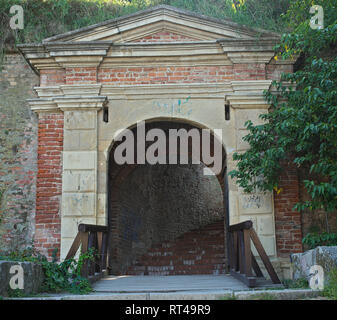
{"points": [[18, 150], [139, 67]]}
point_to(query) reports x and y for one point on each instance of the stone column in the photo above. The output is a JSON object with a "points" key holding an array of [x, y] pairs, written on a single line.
{"points": [[247, 103], [79, 178]]}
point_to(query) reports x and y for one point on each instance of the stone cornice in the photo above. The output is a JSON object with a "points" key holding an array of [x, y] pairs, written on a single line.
{"points": [[168, 91], [67, 103], [58, 94], [107, 54], [240, 94], [248, 94], [249, 50]]}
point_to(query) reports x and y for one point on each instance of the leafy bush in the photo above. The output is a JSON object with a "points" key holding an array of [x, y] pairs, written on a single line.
{"points": [[59, 277], [330, 290], [49, 17], [301, 283], [301, 130], [313, 240]]}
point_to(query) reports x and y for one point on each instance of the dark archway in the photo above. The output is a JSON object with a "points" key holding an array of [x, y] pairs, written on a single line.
{"points": [[151, 205]]}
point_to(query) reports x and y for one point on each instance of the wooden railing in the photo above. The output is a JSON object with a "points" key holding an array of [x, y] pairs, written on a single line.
{"points": [[242, 261], [96, 237]]}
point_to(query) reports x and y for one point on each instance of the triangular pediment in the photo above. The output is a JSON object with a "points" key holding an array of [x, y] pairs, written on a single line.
{"points": [[158, 21]]}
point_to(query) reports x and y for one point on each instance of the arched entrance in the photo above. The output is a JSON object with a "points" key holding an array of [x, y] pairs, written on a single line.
{"points": [[167, 219]]}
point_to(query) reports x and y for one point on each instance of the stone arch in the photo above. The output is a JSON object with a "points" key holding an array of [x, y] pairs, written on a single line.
{"points": [[117, 175]]}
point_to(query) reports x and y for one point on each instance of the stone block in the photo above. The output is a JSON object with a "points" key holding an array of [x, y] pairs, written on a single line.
{"points": [[79, 181], [79, 160], [80, 120], [69, 225], [240, 143], [255, 203], [265, 225], [80, 140], [79, 204], [241, 116], [326, 257], [268, 243], [101, 205], [33, 276]]}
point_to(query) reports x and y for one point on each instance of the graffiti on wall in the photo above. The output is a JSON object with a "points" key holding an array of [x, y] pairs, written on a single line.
{"points": [[181, 107]]}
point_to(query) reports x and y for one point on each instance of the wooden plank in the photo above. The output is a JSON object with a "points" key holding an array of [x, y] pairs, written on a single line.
{"points": [[236, 251], [74, 247], [256, 267], [231, 250], [99, 249], [92, 244], [264, 257], [84, 248], [241, 252], [247, 253], [241, 226], [92, 228], [250, 282], [104, 250]]}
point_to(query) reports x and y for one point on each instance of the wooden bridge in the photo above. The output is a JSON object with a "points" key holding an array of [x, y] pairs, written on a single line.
{"points": [[243, 265]]}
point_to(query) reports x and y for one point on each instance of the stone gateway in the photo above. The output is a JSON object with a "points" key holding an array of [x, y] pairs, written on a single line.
{"points": [[172, 69]]}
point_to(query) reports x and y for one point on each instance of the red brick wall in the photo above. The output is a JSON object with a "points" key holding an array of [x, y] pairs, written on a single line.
{"points": [[80, 75], [49, 183], [287, 221], [52, 77], [163, 75], [199, 251]]}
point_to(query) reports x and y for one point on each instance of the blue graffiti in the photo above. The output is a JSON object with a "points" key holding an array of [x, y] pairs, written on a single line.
{"points": [[179, 107]]}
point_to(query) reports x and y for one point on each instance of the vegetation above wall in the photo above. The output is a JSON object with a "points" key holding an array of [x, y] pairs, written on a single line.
{"points": [[46, 18], [303, 130]]}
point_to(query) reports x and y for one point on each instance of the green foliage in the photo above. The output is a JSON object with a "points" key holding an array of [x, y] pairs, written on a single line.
{"points": [[303, 130], [59, 277], [15, 293], [229, 297], [330, 290], [313, 240], [2, 191], [301, 283], [50, 17]]}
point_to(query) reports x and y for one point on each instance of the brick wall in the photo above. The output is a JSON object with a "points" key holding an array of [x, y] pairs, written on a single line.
{"points": [[18, 145], [200, 251], [287, 221], [80, 75], [49, 183], [153, 204], [162, 75], [315, 221], [52, 77]]}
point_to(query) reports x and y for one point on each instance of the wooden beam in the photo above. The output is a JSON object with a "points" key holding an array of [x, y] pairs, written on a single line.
{"points": [[264, 257], [241, 226], [74, 247], [250, 282]]}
